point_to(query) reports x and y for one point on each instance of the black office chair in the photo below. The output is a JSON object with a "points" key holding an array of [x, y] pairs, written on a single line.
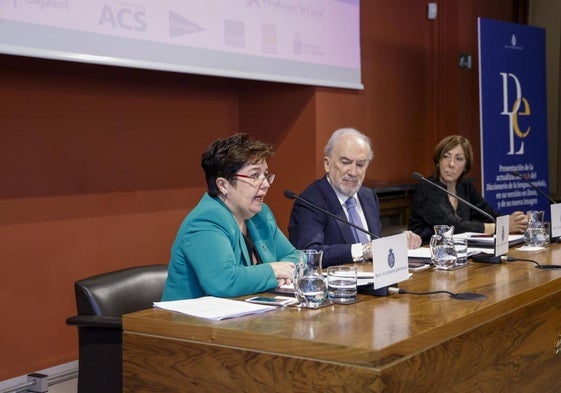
{"points": [[101, 300]]}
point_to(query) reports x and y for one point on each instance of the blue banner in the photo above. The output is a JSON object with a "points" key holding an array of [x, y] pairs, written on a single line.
{"points": [[512, 92]]}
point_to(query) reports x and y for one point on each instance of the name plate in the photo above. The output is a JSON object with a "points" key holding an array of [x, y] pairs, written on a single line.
{"points": [[556, 220], [390, 260], [501, 235]]}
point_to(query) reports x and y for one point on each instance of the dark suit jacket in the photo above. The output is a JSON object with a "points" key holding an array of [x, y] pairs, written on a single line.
{"points": [[310, 228]]}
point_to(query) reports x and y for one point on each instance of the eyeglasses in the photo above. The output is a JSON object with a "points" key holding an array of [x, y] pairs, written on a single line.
{"points": [[257, 178]]}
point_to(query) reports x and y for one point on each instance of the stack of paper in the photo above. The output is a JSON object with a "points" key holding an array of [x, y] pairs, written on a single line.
{"points": [[211, 307], [424, 252]]}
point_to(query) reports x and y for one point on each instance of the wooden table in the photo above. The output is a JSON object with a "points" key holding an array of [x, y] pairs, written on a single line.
{"points": [[399, 343]]}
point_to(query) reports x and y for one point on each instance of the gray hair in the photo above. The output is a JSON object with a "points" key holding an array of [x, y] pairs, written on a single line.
{"points": [[341, 132]]}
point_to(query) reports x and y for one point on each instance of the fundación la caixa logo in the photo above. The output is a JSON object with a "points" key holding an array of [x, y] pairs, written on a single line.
{"points": [[514, 106]]}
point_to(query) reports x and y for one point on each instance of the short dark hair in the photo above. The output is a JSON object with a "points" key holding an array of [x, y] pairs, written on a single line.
{"points": [[447, 144], [225, 157]]}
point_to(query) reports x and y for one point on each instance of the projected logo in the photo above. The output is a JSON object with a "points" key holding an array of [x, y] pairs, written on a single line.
{"points": [[234, 33], [515, 106], [178, 25], [269, 38], [126, 18], [302, 47], [297, 44], [44, 4]]}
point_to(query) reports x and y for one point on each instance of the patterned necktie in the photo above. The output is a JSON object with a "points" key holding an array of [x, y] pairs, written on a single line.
{"points": [[360, 236]]}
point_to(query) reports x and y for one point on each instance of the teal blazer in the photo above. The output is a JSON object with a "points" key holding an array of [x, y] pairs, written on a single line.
{"points": [[209, 255]]}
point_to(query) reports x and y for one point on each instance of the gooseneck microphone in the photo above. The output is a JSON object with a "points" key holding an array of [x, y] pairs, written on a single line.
{"points": [[292, 195], [418, 176], [459, 296], [551, 200], [481, 257], [367, 289], [517, 174]]}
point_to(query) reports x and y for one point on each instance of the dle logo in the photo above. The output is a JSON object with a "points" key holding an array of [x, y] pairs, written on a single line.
{"points": [[123, 17], [520, 107]]}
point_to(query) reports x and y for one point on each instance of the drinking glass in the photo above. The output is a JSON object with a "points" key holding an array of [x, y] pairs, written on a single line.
{"points": [[534, 236], [461, 246], [341, 283], [547, 228]]}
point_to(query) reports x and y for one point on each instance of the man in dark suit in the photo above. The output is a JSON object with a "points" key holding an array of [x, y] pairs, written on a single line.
{"points": [[346, 157]]}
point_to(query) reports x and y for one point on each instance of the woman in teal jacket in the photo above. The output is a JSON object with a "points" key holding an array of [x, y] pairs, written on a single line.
{"points": [[230, 244]]}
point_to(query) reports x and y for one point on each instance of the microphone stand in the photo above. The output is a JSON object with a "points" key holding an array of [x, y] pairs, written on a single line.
{"points": [[365, 289], [551, 200], [481, 257], [291, 195], [517, 174], [418, 176]]}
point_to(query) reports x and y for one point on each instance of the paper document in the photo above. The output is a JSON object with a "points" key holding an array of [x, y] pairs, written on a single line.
{"points": [[424, 252], [481, 240], [421, 252], [211, 307]]}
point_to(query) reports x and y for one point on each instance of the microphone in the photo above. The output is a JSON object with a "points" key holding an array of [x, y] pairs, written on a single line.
{"points": [[418, 176], [551, 200], [459, 296], [365, 289], [517, 174], [481, 257], [291, 195]]}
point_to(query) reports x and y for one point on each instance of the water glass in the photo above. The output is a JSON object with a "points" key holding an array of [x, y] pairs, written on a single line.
{"points": [[535, 236], [547, 228], [444, 257], [461, 246], [342, 283]]}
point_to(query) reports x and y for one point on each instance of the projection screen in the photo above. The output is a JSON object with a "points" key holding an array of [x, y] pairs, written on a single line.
{"points": [[311, 42]]}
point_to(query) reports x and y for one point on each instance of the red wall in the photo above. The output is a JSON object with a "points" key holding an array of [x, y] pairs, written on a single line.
{"points": [[100, 164]]}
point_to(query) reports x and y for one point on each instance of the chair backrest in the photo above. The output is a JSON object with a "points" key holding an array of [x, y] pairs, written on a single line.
{"points": [[120, 292]]}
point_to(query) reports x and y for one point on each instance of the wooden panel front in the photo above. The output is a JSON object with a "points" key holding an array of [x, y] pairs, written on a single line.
{"points": [[397, 343], [514, 353], [156, 364]]}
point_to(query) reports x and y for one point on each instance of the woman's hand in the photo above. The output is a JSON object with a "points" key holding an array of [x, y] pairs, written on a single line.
{"points": [[284, 271], [517, 222]]}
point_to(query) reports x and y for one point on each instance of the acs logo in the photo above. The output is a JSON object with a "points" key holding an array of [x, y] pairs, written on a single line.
{"points": [[124, 18]]}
